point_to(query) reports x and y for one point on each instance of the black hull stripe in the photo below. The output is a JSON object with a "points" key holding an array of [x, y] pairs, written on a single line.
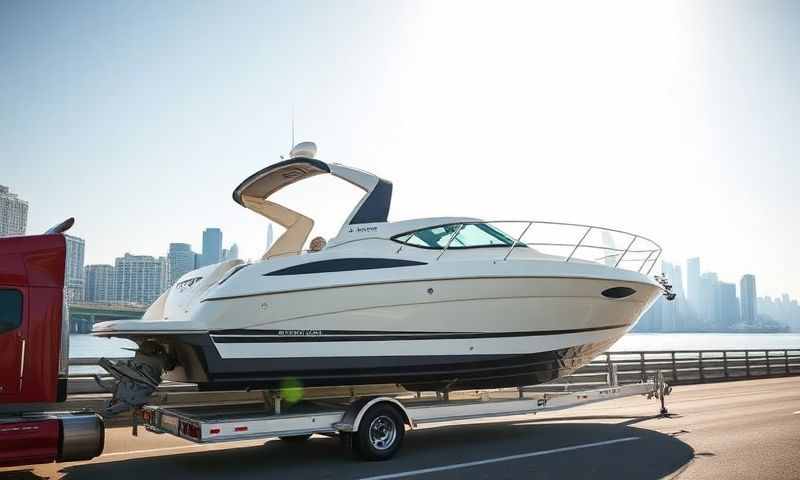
{"points": [[273, 336]]}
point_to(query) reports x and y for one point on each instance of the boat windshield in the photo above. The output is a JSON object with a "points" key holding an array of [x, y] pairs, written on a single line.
{"points": [[473, 235]]}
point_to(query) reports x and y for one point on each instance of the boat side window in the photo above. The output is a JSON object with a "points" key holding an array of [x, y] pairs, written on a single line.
{"points": [[474, 235], [10, 310]]}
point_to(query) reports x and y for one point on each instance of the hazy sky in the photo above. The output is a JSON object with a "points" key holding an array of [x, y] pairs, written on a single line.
{"points": [[678, 121]]}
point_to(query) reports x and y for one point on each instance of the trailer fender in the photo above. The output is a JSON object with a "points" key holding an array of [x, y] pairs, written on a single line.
{"points": [[356, 410]]}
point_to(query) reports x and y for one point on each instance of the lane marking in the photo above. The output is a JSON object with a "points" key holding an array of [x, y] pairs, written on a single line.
{"points": [[498, 459]]}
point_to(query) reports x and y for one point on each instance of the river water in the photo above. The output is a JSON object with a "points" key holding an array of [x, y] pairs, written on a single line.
{"points": [[88, 346]]}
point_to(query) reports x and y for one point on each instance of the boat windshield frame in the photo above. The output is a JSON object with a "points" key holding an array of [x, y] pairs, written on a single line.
{"points": [[453, 235], [640, 252]]}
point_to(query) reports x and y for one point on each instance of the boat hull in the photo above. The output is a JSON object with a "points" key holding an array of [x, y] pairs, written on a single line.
{"points": [[414, 372], [418, 361], [424, 335]]}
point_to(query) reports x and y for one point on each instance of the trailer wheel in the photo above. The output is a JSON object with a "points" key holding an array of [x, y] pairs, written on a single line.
{"points": [[296, 438], [380, 433]]}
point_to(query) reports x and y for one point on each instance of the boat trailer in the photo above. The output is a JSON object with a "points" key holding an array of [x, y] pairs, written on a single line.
{"points": [[371, 427]]}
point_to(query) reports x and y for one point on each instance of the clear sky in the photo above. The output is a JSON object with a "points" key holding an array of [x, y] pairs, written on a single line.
{"points": [[678, 121]]}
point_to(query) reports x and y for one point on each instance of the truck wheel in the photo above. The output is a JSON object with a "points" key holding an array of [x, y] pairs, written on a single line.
{"points": [[380, 433], [296, 438]]}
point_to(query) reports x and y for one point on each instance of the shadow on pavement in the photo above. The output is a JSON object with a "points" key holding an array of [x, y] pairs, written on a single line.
{"points": [[651, 455]]}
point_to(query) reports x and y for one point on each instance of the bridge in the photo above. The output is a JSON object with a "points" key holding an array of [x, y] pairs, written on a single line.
{"points": [[83, 315]]}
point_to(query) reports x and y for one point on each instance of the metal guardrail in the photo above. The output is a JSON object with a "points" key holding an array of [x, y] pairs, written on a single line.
{"points": [[616, 248], [679, 367], [683, 367]]}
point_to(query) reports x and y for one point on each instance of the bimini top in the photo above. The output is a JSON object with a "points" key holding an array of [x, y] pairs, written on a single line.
{"points": [[254, 192]]}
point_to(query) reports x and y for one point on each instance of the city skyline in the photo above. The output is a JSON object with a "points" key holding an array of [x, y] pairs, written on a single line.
{"points": [[134, 278], [707, 303]]}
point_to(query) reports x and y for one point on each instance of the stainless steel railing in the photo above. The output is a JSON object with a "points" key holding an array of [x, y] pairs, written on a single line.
{"points": [[617, 248]]}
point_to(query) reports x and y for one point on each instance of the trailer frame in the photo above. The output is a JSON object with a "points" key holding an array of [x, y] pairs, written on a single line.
{"points": [[354, 418]]}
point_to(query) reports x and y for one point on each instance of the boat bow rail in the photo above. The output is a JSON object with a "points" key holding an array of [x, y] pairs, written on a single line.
{"points": [[571, 241]]}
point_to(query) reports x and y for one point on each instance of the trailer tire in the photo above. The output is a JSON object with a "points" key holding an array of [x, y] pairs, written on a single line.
{"points": [[380, 433], [295, 438]]}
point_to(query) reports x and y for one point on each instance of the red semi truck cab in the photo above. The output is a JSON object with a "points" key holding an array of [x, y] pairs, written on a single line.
{"points": [[34, 342]]}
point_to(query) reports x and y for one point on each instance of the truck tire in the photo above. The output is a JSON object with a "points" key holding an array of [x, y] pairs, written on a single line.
{"points": [[380, 433]]}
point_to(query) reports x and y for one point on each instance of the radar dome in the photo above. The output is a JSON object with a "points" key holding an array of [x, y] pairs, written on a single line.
{"points": [[304, 149]]}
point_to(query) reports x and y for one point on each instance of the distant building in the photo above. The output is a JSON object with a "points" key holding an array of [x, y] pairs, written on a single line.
{"points": [[73, 278], [729, 305], [693, 282], [140, 278], [652, 320], [681, 304], [181, 260], [747, 293], [269, 237], [231, 253], [212, 247], [708, 306], [99, 283], [13, 213], [670, 321]]}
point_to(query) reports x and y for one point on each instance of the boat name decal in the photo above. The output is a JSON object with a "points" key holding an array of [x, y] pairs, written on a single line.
{"points": [[362, 229], [300, 333], [181, 286]]}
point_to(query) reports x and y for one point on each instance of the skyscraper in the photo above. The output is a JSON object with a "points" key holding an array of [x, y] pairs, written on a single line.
{"points": [[73, 278], [139, 278], [99, 283], [269, 237], [181, 261], [708, 303], [693, 280], [232, 253], [729, 308], [747, 294], [13, 213], [212, 247]]}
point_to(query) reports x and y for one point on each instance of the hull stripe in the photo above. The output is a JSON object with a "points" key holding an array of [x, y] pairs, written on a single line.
{"points": [[282, 336]]}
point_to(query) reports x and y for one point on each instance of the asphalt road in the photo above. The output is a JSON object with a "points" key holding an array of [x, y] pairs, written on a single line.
{"points": [[746, 429]]}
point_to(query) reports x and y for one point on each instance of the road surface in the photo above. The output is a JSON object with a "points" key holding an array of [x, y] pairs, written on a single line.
{"points": [[744, 429]]}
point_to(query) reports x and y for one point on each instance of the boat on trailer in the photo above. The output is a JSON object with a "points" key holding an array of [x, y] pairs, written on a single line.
{"points": [[435, 304]]}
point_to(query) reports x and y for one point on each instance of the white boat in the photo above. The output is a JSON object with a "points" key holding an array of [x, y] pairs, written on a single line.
{"points": [[430, 304]]}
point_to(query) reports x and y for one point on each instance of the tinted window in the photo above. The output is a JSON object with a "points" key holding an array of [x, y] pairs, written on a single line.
{"points": [[10, 310], [471, 236]]}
